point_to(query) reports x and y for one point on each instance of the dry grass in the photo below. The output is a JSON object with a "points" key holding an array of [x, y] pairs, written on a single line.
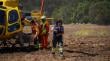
{"points": [[81, 43]]}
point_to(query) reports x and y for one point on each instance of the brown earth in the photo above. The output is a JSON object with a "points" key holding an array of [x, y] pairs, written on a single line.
{"points": [[81, 43]]}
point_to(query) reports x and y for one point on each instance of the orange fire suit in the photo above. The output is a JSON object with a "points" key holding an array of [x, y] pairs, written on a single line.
{"points": [[44, 35]]}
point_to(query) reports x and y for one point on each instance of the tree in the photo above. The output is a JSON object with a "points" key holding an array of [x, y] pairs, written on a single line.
{"points": [[100, 12]]}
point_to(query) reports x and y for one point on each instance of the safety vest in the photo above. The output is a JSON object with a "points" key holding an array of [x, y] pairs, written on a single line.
{"points": [[44, 28]]}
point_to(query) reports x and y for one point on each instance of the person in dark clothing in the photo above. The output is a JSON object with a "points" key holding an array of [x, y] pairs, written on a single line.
{"points": [[58, 32]]}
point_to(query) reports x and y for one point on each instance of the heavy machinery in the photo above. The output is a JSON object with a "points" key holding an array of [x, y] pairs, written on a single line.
{"points": [[10, 22], [11, 29]]}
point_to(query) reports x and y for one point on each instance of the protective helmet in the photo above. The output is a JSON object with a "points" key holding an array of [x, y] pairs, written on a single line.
{"points": [[43, 17]]}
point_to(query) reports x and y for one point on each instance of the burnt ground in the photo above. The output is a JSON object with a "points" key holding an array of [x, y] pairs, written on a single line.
{"points": [[81, 43]]}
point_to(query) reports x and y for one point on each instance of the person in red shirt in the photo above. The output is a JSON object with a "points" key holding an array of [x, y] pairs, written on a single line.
{"points": [[44, 32]]}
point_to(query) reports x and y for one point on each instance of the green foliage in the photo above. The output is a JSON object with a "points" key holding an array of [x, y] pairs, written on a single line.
{"points": [[86, 20], [29, 5], [100, 12], [81, 11], [74, 11]]}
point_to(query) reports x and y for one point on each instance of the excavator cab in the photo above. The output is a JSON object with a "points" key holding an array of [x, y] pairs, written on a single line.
{"points": [[2, 23], [10, 22]]}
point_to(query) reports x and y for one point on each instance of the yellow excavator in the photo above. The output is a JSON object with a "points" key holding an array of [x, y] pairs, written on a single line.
{"points": [[11, 27]]}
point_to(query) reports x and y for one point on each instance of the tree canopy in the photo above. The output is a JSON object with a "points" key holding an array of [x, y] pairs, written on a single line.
{"points": [[74, 11]]}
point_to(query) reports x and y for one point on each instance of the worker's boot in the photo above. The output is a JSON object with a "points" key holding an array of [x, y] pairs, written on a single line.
{"points": [[60, 49], [53, 50], [36, 43]]}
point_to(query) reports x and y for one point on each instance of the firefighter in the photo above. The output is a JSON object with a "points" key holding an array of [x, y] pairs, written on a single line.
{"points": [[44, 32], [35, 33], [58, 32]]}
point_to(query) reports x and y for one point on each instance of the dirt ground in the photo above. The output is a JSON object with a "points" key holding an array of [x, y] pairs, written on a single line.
{"points": [[81, 43]]}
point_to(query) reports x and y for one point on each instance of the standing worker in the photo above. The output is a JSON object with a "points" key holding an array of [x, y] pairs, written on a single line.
{"points": [[44, 32], [35, 33], [58, 32]]}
